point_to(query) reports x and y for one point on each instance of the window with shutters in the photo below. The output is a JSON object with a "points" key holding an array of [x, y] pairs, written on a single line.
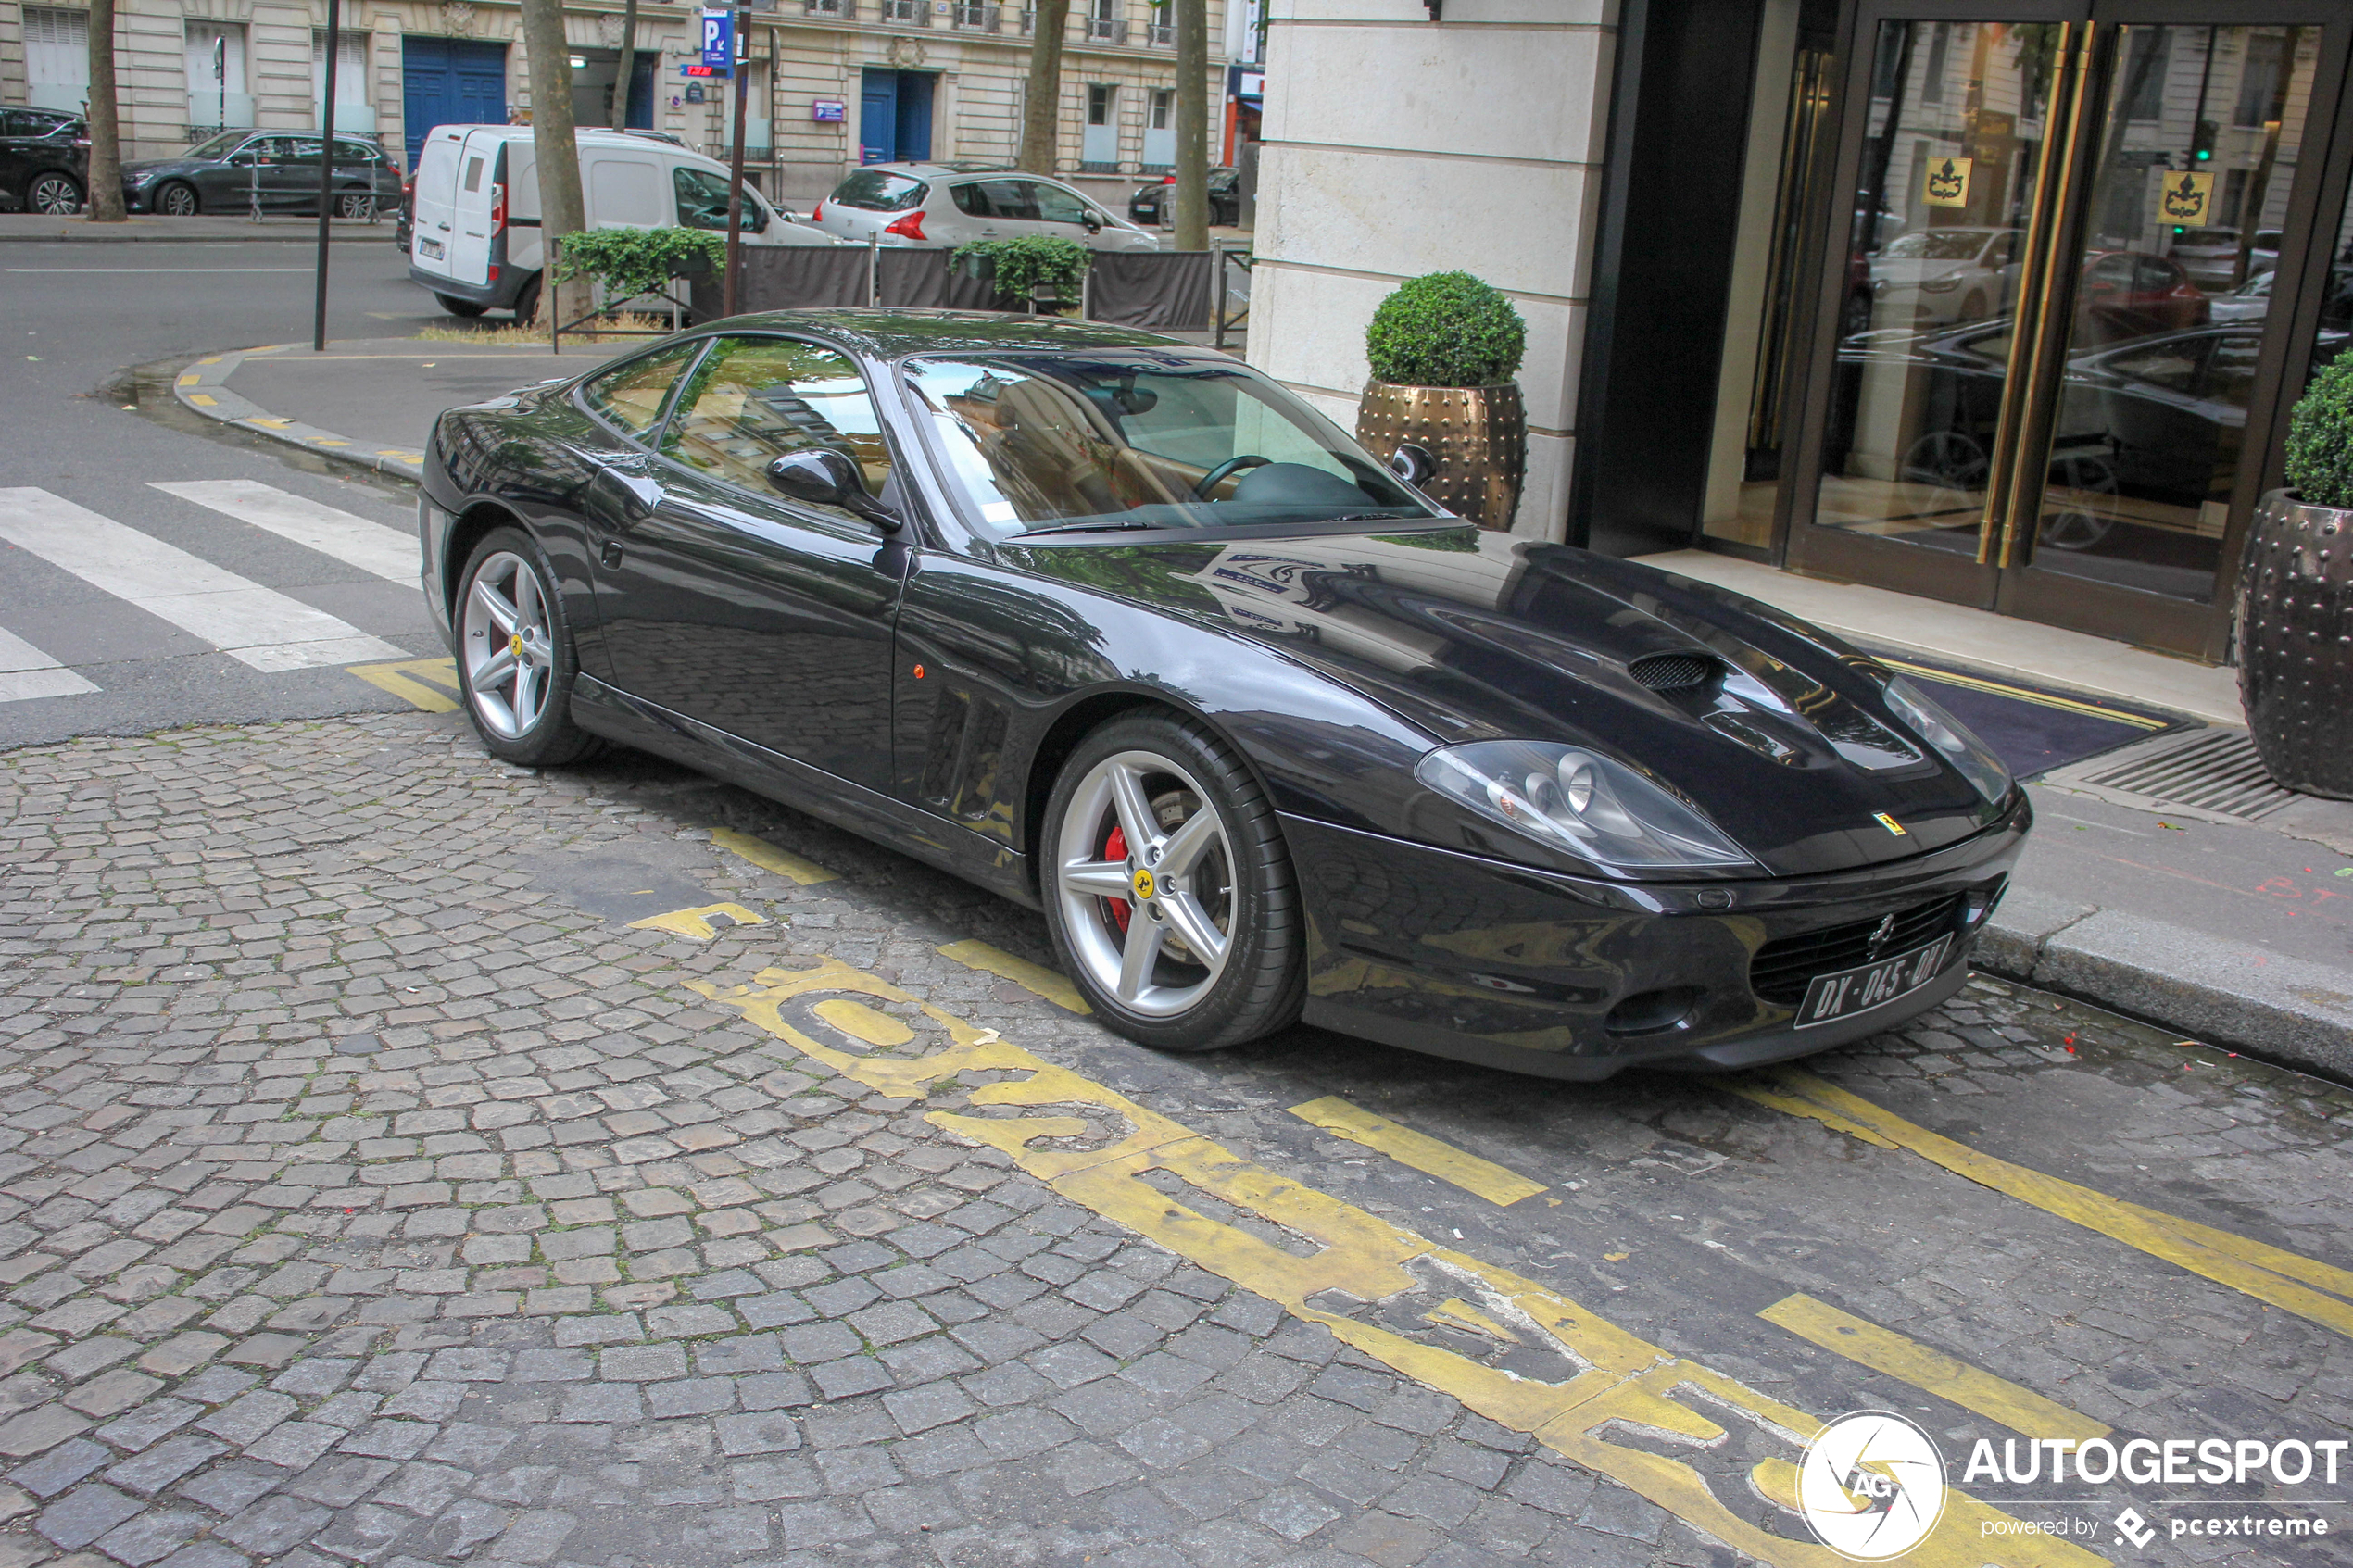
{"points": [[57, 47]]}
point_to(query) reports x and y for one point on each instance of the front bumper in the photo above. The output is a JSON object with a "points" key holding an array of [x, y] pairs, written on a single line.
{"points": [[1530, 972]]}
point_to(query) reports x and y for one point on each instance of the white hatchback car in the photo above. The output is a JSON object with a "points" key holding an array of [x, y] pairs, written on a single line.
{"points": [[937, 205]]}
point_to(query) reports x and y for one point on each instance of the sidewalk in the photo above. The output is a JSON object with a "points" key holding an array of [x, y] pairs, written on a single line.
{"points": [[2237, 931], [33, 227]]}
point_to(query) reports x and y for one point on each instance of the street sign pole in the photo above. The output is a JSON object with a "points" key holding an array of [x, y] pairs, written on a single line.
{"points": [[735, 160], [326, 179]]}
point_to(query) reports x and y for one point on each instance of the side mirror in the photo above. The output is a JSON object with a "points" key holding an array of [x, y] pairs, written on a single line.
{"points": [[819, 476], [1413, 464], [1094, 224]]}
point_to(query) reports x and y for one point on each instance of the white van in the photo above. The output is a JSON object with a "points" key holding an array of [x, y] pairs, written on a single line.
{"points": [[474, 227]]}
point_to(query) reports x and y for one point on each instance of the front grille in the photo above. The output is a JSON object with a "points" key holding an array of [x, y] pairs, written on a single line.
{"points": [[1671, 671], [1781, 969]]}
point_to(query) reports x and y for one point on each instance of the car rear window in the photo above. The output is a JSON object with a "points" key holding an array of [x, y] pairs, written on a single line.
{"points": [[878, 192]]}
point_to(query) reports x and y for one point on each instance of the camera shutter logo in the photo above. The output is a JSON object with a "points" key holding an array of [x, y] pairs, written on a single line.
{"points": [[1872, 1485]]}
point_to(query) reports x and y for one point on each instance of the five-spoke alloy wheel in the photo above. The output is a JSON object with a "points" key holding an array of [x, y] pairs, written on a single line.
{"points": [[514, 653], [1168, 889]]}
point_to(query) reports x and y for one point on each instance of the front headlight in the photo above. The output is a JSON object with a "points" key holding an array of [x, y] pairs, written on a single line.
{"points": [[1580, 802], [1987, 772], [142, 177], [1944, 284]]}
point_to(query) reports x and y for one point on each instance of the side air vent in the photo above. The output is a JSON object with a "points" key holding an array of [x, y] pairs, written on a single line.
{"points": [[1671, 671]]}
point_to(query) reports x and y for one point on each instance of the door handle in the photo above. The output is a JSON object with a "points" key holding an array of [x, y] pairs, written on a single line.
{"points": [[610, 554], [632, 496]]}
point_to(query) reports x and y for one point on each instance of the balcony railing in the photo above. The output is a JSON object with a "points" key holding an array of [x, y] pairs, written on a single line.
{"points": [[978, 19], [1161, 35], [1106, 29], [839, 10], [904, 13]]}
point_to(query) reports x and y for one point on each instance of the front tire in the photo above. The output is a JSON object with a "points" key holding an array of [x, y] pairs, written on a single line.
{"points": [[177, 199], [1168, 889], [516, 663], [53, 196]]}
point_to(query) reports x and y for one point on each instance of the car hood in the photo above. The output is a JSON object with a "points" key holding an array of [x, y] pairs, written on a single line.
{"points": [[164, 166], [1785, 743]]}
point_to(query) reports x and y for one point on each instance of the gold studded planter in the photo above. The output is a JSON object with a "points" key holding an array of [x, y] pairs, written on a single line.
{"points": [[1477, 434], [2296, 643]]}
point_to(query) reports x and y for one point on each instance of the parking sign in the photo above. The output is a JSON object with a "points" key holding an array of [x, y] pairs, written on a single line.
{"points": [[719, 39]]}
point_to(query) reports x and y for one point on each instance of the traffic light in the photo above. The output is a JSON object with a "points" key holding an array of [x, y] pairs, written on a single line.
{"points": [[2202, 143]]}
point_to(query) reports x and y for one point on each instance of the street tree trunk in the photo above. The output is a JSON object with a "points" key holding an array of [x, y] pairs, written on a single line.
{"points": [[105, 203], [561, 211], [1041, 111], [618, 116], [1192, 124]]}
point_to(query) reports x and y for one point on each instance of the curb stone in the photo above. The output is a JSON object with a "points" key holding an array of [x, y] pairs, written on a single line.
{"points": [[202, 387]]}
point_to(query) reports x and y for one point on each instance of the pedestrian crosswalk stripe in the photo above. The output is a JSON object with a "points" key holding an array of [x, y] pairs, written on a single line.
{"points": [[26, 672], [389, 553], [255, 625]]}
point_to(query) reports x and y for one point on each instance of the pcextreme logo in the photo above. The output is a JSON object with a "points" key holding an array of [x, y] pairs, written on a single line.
{"points": [[1872, 1485]]}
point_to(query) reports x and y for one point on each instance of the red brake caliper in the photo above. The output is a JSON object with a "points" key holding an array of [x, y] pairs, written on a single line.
{"points": [[1115, 848]]}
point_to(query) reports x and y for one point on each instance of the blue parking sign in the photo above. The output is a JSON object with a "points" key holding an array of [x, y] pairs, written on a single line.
{"points": [[719, 39]]}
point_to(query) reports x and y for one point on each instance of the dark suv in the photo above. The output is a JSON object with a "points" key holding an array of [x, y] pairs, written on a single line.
{"points": [[45, 161]]}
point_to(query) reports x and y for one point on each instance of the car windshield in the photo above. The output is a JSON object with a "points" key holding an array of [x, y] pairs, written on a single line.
{"points": [[1936, 244], [878, 192], [220, 147], [1113, 441]]}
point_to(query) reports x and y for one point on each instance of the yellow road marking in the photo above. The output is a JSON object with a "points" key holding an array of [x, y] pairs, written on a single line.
{"points": [[2024, 693], [190, 380], [1482, 1178], [406, 679], [695, 922], [1885, 1350], [1617, 1386], [271, 421], [207, 401], [2287, 1280], [1031, 977], [768, 858], [858, 1018]]}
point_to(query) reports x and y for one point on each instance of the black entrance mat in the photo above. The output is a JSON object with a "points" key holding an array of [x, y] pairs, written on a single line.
{"points": [[2036, 728]]}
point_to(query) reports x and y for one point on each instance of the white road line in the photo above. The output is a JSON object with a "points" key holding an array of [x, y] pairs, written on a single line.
{"points": [[354, 541], [250, 623], [26, 672]]}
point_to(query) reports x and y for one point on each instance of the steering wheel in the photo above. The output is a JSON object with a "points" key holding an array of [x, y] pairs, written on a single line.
{"points": [[1226, 470]]}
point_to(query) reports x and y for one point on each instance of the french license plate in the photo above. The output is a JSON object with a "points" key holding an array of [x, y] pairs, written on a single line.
{"points": [[429, 248], [1851, 991]]}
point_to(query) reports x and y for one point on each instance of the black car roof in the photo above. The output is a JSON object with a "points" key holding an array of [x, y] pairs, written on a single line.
{"points": [[887, 334]]}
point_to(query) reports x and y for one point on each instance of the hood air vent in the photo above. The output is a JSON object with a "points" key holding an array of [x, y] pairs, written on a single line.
{"points": [[1671, 671]]}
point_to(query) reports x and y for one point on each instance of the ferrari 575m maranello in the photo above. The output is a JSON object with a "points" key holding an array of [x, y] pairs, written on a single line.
{"points": [[1121, 629]]}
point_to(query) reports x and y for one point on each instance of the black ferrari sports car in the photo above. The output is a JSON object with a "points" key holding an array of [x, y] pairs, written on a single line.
{"points": [[1115, 626]]}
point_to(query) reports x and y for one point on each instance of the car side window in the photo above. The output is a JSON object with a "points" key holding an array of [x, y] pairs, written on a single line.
{"points": [[1058, 206], [703, 202], [632, 395], [971, 200], [1009, 198], [2172, 366], [753, 399]]}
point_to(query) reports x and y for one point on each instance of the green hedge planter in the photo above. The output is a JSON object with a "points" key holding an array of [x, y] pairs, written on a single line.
{"points": [[2296, 600], [1444, 348]]}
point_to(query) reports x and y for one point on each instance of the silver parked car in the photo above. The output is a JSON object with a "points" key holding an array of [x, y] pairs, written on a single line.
{"points": [[937, 207]]}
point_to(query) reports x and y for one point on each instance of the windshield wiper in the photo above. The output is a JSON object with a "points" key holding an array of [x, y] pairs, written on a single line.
{"points": [[1090, 528]]}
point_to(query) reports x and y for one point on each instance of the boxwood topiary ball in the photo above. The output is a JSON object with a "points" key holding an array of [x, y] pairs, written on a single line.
{"points": [[1446, 329], [2320, 438]]}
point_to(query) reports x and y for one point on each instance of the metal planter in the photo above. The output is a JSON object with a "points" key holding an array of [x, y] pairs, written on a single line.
{"points": [[2296, 643], [1478, 435]]}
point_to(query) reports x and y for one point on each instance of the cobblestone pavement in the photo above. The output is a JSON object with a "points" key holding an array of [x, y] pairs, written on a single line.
{"points": [[370, 1191]]}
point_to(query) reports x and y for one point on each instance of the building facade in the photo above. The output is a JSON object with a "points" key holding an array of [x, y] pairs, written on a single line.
{"points": [[2003, 304], [833, 82]]}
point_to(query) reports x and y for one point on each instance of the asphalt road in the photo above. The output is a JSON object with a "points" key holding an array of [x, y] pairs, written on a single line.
{"points": [[81, 317]]}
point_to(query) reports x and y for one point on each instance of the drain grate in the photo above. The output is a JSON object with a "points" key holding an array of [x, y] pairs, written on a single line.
{"points": [[2213, 771]]}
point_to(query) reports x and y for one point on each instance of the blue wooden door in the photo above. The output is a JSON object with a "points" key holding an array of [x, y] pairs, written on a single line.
{"points": [[450, 82], [878, 118], [914, 120]]}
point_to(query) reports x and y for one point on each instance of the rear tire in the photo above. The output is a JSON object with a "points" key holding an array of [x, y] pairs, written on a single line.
{"points": [[1155, 818], [53, 196], [464, 307], [528, 303], [516, 663]]}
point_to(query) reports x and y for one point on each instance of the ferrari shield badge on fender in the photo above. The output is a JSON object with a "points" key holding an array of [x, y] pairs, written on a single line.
{"points": [[1890, 823]]}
